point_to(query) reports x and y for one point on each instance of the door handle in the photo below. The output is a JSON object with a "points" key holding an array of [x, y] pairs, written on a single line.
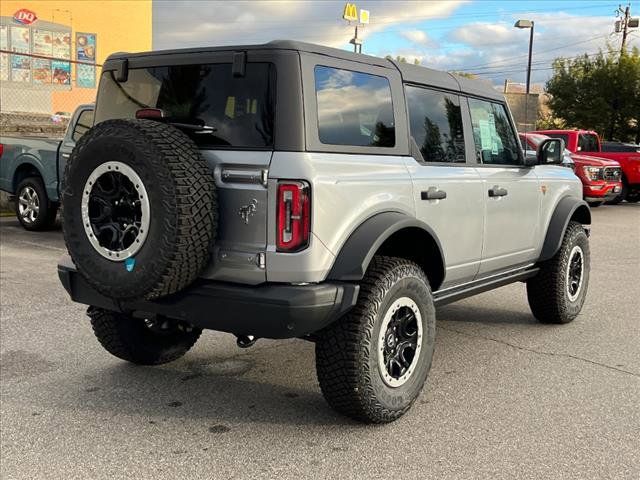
{"points": [[433, 194], [497, 191]]}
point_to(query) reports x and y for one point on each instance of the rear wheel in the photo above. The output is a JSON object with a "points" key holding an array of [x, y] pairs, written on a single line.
{"points": [[142, 341], [373, 363], [556, 294], [33, 209]]}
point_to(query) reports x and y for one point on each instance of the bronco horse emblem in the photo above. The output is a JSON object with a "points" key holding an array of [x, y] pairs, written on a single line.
{"points": [[249, 210]]}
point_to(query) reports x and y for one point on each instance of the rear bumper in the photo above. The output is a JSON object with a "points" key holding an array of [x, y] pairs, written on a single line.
{"points": [[266, 311]]}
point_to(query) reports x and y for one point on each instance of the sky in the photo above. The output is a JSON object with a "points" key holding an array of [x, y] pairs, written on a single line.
{"points": [[475, 36]]}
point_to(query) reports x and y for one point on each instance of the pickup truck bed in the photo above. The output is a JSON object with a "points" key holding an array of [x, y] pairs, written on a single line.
{"points": [[31, 169]]}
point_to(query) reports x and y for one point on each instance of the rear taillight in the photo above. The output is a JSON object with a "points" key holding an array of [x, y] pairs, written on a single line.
{"points": [[294, 216], [149, 113], [1, 149]]}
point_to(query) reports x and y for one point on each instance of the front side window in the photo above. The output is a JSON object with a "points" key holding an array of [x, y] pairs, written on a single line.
{"points": [[435, 122], [494, 138], [240, 110], [354, 108]]}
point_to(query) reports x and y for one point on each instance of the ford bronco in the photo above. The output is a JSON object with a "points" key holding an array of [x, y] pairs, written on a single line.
{"points": [[289, 190]]}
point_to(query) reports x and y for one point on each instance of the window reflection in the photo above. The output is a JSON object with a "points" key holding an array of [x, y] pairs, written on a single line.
{"points": [[436, 125], [354, 108]]}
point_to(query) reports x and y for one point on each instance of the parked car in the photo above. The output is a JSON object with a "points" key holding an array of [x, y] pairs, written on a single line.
{"points": [[601, 178], [31, 169], [291, 190], [587, 142]]}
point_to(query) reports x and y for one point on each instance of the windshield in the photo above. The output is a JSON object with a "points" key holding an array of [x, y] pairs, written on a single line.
{"points": [[234, 111]]}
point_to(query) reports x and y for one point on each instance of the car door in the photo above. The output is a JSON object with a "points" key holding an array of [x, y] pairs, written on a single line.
{"points": [[511, 191], [447, 188], [79, 124]]}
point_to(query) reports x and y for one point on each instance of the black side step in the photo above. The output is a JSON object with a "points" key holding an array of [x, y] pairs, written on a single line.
{"points": [[453, 294]]}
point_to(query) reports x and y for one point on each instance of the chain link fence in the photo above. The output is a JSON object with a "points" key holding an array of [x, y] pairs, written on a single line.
{"points": [[38, 93]]}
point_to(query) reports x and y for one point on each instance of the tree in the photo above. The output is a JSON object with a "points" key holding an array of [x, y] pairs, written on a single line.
{"points": [[400, 59], [600, 93], [464, 74]]}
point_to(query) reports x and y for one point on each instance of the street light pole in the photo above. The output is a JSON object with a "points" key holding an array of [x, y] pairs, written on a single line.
{"points": [[530, 55], [530, 25]]}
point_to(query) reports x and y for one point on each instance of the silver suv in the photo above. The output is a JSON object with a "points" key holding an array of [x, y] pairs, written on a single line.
{"points": [[292, 190]]}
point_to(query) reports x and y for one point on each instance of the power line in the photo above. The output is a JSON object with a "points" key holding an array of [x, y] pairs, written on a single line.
{"points": [[503, 72], [500, 63]]}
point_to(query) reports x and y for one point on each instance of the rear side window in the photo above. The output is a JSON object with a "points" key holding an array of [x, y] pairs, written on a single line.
{"points": [[435, 122], [494, 138], [354, 108], [240, 109], [587, 142], [84, 123]]}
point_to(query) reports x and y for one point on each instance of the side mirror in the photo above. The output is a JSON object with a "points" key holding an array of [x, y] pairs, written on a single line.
{"points": [[550, 152], [530, 160]]}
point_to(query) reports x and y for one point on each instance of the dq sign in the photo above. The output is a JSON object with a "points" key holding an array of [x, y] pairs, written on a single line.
{"points": [[25, 17]]}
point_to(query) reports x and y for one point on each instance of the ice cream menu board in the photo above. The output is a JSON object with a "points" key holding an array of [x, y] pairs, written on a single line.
{"points": [[61, 44], [42, 45], [61, 72], [86, 47], [4, 57], [85, 52], [20, 65]]}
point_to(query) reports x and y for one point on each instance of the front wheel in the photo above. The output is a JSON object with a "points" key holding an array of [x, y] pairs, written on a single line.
{"points": [[556, 294], [373, 363], [33, 209], [142, 341]]}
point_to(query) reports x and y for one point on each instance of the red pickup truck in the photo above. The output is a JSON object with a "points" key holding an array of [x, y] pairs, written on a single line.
{"points": [[600, 177], [586, 142]]}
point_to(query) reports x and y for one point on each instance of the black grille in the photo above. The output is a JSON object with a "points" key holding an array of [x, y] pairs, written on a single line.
{"points": [[611, 173]]}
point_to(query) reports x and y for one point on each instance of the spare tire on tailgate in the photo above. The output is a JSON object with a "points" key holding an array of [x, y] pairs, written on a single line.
{"points": [[140, 211]]}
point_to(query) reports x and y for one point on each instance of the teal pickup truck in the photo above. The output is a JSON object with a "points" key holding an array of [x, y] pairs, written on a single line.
{"points": [[31, 170]]}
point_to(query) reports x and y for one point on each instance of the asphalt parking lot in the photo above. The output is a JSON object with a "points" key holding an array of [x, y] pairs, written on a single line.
{"points": [[506, 397]]}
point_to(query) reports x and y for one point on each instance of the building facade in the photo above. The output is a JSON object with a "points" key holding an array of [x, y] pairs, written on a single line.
{"points": [[51, 51]]}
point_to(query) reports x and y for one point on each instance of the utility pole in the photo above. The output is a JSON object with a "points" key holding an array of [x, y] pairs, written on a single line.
{"points": [[624, 24], [625, 29]]}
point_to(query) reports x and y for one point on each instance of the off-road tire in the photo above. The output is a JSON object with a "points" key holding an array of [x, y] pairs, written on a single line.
{"points": [[347, 351], [547, 292], [130, 339], [46, 217], [182, 202]]}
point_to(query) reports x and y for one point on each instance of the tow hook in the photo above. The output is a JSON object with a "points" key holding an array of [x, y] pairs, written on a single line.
{"points": [[246, 341]]}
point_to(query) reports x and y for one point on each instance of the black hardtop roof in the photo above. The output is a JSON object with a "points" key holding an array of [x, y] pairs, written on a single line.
{"points": [[410, 73]]}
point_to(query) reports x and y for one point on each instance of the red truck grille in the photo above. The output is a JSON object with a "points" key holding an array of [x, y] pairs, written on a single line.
{"points": [[612, 174]]}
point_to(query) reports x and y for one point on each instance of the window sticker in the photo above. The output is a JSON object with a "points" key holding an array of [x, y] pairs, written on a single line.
{"points": [[485, 135]]}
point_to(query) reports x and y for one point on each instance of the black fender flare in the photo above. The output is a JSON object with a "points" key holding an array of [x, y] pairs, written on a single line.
{"points": [[566, 209], [355, 255]]}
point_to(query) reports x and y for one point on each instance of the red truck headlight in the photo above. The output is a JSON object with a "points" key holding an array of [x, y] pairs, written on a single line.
{"points": [[593, 173], [294, 216]]}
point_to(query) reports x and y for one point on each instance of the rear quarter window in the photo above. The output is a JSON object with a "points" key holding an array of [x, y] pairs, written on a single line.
{"points": [[354, 108]]}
